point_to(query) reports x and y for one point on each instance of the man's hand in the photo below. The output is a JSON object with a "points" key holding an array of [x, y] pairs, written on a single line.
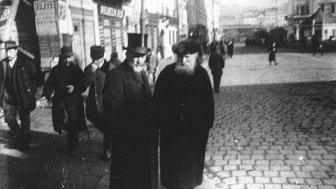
{"points": [[42, 103], [70, 88]]}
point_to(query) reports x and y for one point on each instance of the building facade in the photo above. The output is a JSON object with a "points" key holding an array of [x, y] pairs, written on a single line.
{"points": [[197, 13]]}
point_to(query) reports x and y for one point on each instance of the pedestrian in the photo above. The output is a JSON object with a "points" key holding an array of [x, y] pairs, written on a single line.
{"points": [[127, 105], [230, 45], [18, 87], [66, 81], [114, 60], [184, 113], [272, 49], [216, 65], [317, 44], [152, 67], [95, 74]]}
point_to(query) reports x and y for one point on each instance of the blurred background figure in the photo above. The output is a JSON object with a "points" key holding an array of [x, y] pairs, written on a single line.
{"points": [[114, 59], [152, 65], [272, 52], [216, 65]]}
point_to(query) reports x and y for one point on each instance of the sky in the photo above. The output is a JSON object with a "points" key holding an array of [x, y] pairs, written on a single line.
{"points": [[254, 3]]}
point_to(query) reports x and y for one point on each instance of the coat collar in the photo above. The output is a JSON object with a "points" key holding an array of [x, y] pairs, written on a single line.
{"points": [[138, 77]]}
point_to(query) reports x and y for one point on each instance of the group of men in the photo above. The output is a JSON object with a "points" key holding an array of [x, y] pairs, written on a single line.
{"points": [[122, 104]]}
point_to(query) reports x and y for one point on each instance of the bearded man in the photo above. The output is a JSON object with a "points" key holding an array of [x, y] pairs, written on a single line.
{"points": [[184, 113], [127, 106]]}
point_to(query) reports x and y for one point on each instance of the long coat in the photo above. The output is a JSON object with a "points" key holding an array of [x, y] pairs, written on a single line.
{"points": [[24, 82], [94, 102], [63, 102], [216, 62], [127, 105], [184, 113]]}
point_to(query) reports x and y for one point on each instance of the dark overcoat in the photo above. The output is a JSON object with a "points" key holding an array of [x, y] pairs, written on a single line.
{"points": [[184, 113], [24, 81], [127, 105], [94, 102], [216, 62], [63, 102]]}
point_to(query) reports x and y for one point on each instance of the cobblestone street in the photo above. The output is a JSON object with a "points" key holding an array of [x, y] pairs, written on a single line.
{"points": [[275, 128]]}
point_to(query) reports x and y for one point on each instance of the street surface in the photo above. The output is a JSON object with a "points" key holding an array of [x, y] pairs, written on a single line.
{"points": [[275, 128]]}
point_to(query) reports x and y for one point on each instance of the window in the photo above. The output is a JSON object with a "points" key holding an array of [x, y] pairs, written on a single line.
{"points": [[332, 5], [326, 32], [322, 7]]}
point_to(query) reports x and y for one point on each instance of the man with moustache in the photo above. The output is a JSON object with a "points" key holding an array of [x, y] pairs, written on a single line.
{"points": [[127, 106], [184, 113]]}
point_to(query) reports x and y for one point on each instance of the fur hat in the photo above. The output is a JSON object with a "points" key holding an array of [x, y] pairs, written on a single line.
{"points": [[187, 46], [97, 52]]}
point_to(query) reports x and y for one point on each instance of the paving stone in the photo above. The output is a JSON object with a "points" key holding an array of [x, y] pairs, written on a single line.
{"points": [[230, 180], [313, 181], [262, 180], [288, 174], [245, 180], [255, 186], [273, 186], [278, 180]]}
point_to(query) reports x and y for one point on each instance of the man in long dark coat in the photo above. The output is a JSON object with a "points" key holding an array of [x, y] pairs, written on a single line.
{"points": [[127, 105], [216, 65], [95, 74], [67, 82], [18, 86], [184, 113]]}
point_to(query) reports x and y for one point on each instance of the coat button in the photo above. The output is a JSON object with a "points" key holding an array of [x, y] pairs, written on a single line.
{"points": [[181, 118], [28, 90], [182, 104]]}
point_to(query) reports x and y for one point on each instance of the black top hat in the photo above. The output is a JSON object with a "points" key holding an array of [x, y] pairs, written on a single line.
{"points": [[66, 52], [137, 43], [10, 45]]}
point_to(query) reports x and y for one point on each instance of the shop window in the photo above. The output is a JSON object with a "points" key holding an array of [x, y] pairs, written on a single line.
{"points": [[76, 28], [326, 32]]}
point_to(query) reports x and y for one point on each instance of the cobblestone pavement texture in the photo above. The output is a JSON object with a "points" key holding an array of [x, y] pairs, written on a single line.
{"points": [[274, 129]]}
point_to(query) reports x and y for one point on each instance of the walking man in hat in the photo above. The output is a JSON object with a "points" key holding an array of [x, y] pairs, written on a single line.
{"points": [[95, 74], [184, 113], [127, 105], [67, 82], [18, 87]]}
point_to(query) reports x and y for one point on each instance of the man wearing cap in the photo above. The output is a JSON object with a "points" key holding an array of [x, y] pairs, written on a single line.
{"points": [[95, 74], [18, 87], [67, 82], [127, 105], [184, 113]]}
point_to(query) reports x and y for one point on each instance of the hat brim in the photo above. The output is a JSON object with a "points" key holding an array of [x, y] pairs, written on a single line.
{"points": [[66, 55], [12, 47], [141, 51]]}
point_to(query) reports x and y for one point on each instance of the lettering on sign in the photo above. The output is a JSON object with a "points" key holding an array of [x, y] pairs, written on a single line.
{"points": [[112, 12]]}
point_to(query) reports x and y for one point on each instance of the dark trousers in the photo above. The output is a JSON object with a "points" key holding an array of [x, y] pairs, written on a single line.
{"points": [[216, 75], [318, 48], [19, 132]]}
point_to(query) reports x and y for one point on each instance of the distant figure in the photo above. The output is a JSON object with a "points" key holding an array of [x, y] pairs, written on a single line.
{"points": [[230, 45], [114, 60], [152, 66], [317, 44], [216, 65], [272, 52]]}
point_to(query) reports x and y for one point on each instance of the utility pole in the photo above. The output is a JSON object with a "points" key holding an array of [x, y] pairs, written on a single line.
{"points": [[142, 17], [178, 20], [213, 21]]}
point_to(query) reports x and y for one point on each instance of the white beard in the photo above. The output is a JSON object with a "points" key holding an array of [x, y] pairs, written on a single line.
{"points": [[138, 69], [187, 69]]}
